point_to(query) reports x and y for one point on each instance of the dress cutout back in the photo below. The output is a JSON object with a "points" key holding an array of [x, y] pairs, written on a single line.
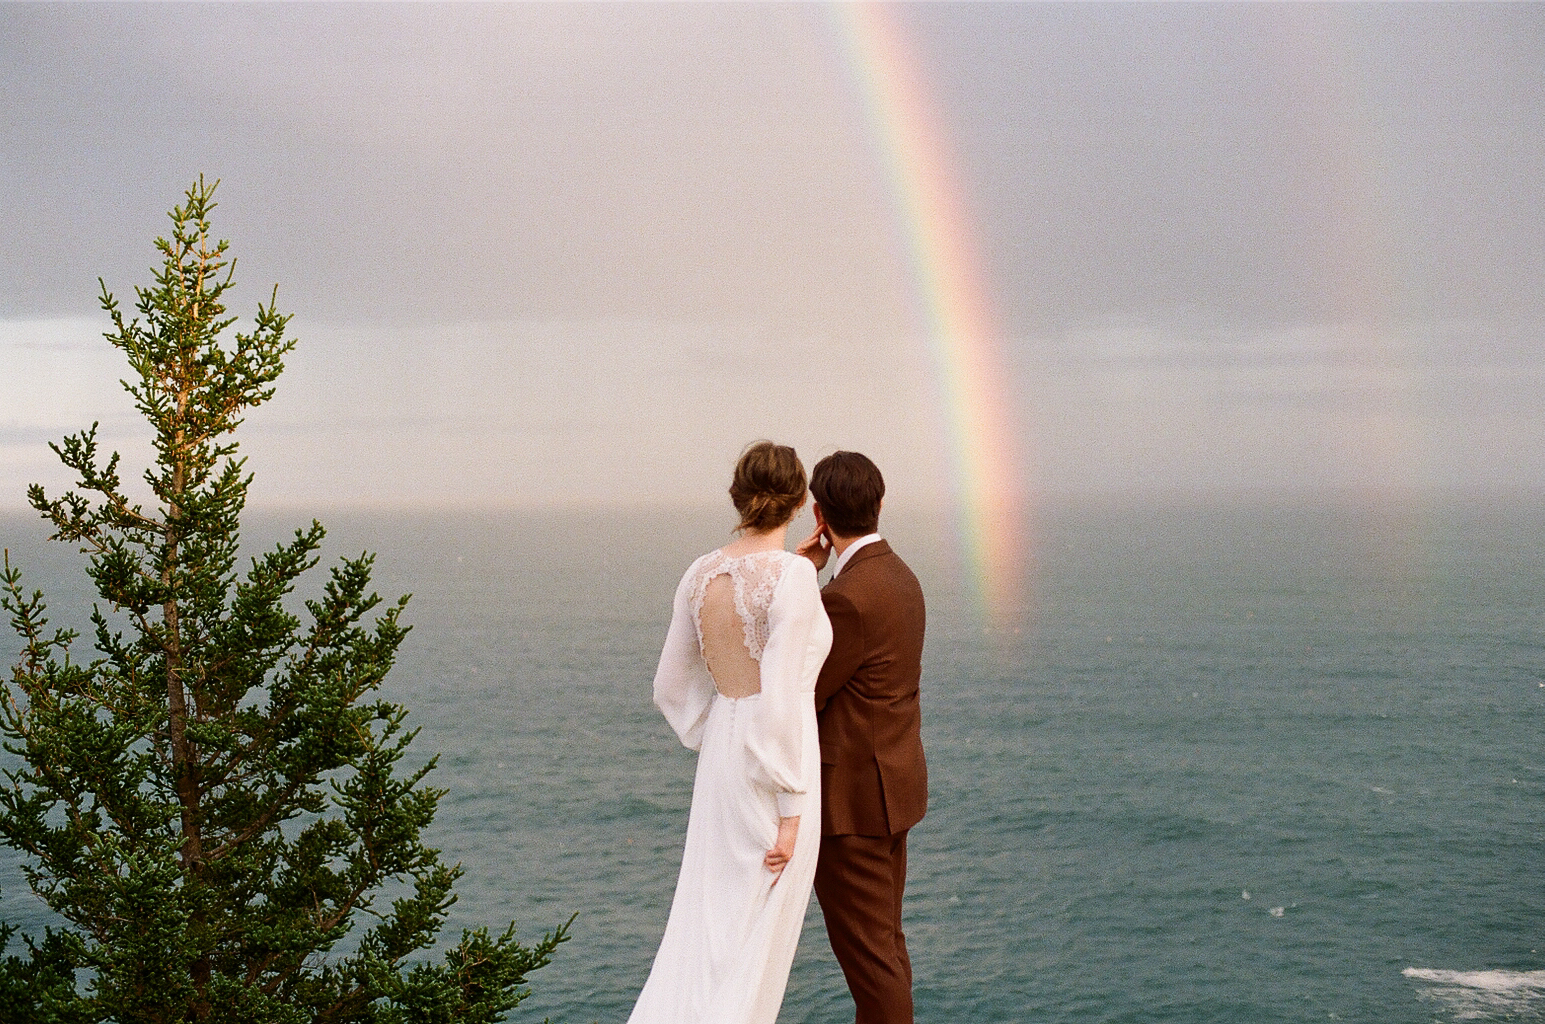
{"points": [[730, 597]]}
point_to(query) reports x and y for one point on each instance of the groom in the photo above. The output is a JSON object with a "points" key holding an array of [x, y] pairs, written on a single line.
{"points": [[874, 783]]}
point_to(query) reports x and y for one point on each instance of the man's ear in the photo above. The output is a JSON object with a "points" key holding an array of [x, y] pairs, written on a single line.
{"points": [[820, 520]]}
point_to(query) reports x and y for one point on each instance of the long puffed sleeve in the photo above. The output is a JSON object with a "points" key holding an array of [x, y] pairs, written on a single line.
{"points": [[683, 688], [799, 636]]}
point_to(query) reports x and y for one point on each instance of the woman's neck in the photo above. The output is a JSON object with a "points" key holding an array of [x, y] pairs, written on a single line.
{"points": [[753, 541]]}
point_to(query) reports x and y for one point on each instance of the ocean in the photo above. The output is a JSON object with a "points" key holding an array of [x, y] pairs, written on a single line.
{"points": [[1241, 759]]}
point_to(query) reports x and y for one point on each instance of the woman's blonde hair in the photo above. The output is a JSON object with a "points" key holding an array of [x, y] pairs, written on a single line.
{"points": [[768, 487]]}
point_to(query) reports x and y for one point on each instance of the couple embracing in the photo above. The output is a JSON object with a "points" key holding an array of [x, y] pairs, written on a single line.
{"points": [[802, 703]]}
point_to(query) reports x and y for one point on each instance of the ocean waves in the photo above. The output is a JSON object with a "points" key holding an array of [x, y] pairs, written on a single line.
{"points": [[1188, 718], [1483, 995]]}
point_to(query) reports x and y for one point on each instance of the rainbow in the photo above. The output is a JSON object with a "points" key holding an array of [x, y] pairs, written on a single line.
{"points": [[953, 303]]}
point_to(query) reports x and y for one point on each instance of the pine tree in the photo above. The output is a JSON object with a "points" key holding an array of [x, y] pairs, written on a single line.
{"points": [[217, 798]]}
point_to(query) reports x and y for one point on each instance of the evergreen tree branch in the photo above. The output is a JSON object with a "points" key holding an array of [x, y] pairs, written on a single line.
{"points": [[217, 799]]}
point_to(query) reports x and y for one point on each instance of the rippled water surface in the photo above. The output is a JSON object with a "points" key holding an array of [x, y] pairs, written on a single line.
{"points": [[1240, 762]]}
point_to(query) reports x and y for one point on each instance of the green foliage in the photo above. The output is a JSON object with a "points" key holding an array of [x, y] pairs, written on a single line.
{"points": [[215, 800]]}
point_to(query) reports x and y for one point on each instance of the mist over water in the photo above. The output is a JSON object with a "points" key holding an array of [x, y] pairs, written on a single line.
{"points": [[1243, 760]]}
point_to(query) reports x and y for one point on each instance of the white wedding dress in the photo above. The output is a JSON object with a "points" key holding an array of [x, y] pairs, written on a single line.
{"points": [[725, 955]]}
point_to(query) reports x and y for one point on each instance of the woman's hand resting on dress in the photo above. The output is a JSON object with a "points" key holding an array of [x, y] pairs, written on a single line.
{"points": [[778, 857]]}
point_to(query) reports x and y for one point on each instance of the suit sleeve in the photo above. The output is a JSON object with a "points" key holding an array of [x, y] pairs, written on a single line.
{"points": [[847, 651], [683, 689], [796, 625]]}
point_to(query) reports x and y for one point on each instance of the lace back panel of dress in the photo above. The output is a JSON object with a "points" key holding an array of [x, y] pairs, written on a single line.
{"points": [[755, 577]]}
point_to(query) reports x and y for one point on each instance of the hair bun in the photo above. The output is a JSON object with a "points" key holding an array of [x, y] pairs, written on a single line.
{"points": [[768, 486]]}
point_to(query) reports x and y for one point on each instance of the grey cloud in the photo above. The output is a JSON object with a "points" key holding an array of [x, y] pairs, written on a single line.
{"points": [[1251, 163], [536, 249], [408, 162]]}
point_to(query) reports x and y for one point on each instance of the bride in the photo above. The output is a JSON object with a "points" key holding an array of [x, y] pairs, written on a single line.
{"points": [[736, 681]]}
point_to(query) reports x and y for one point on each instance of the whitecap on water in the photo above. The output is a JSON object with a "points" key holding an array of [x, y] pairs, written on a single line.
{"points": [[1483, 995]]}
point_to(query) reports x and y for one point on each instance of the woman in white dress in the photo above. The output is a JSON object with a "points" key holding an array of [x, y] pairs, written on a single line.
{"points": [[736, 682]]}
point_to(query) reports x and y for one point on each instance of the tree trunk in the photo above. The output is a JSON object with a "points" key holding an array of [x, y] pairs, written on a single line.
{"points": [[184, 754]]}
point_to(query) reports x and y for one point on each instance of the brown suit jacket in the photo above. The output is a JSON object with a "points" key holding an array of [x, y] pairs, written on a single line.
{"points": [[874, 781]]}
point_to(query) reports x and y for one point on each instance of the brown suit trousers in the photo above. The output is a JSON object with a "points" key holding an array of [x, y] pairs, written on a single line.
{"points": [[874, 780]]}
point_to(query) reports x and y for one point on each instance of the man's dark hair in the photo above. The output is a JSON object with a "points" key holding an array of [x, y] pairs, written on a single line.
{"points": [[849, 488]]}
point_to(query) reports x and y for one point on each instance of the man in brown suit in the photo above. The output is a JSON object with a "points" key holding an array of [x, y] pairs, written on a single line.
{"points": [[874, 782]]}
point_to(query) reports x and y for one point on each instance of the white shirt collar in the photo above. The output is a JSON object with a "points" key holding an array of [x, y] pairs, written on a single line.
{"points": [[852, 549]]}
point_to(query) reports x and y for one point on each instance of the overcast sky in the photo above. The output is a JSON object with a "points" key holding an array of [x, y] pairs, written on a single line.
{"points": [[541, 252]]}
